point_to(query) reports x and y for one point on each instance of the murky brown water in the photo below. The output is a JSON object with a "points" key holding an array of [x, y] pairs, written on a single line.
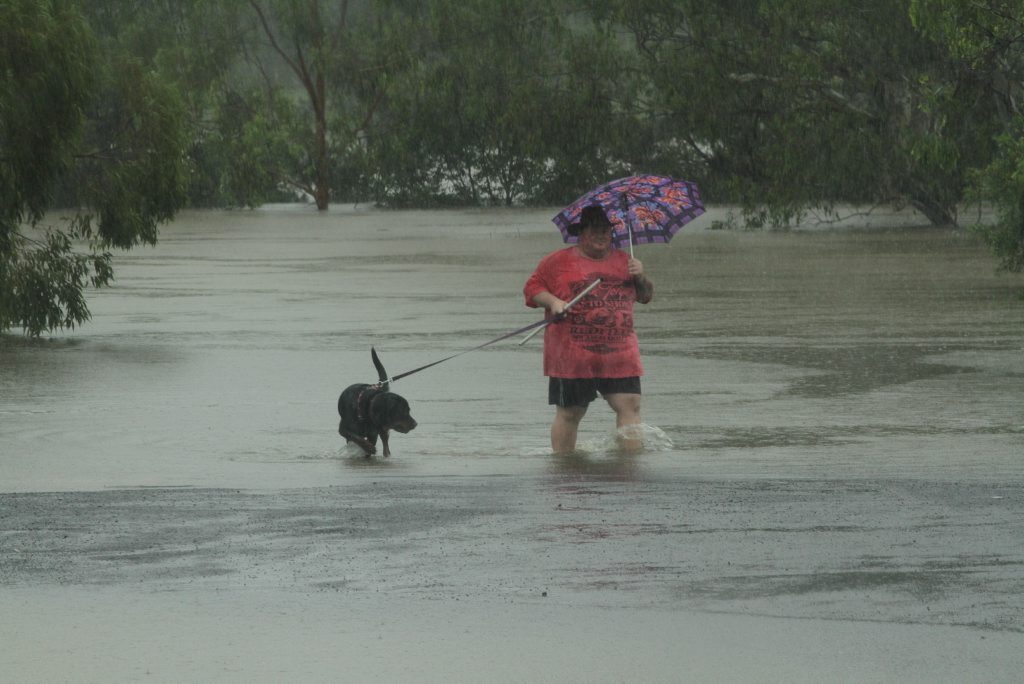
{"points": [[834, 433], [217, 357]]}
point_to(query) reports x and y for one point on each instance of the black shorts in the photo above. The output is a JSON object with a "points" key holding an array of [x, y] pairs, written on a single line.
{"points": [[581, 391]]}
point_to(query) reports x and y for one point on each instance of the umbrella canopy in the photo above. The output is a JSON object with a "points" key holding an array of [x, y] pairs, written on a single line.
{"points": [[642, 209]]}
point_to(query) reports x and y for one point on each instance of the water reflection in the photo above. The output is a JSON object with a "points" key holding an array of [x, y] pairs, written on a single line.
{"points": [[360, 462], [615, 466], [615, 456]]}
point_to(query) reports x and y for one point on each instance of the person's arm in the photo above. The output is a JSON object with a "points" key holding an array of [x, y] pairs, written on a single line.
{"points": [[549, 302], [643, 284], [537, 290]]}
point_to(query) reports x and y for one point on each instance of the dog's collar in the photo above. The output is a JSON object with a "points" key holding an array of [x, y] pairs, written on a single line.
{"points": [[359, 401]]}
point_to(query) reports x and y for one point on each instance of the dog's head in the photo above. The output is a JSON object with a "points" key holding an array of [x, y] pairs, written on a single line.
{"points": [[391, 412]]}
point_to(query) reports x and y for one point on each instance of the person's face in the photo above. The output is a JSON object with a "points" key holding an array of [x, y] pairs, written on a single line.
{"points": [[596, 241]]}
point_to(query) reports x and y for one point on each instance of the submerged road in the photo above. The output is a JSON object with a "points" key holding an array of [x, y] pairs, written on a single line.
{"points": [[939, 553], [515, 579]]}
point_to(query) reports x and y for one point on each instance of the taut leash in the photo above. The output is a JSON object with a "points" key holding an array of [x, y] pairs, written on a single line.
{"points": [[466, 351], [535, 327]]}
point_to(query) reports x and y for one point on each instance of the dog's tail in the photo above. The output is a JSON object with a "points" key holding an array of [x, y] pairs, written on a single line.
{"points": [[382, 374]]}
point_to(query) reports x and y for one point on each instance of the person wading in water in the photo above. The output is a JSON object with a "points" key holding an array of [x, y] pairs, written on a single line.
{"points": [[594, 349]]}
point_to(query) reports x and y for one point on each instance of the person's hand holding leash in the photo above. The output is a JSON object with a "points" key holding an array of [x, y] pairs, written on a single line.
{"points": [[552, 303], [558, 308]]}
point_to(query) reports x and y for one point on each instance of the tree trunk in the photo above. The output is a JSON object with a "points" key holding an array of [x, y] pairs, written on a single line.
{"points": [[322, 184], [937, 214]]}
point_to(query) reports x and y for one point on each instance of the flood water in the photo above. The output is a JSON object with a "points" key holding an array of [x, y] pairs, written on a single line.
{"points": [[217, 357], [830, 488]]}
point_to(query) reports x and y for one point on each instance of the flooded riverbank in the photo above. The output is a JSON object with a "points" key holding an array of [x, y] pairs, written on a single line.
{"points": [[834, 453], [217, 357]]}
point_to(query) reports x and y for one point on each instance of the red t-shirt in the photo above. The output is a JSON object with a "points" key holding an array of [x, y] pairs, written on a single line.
{"points": [[596, 338]]}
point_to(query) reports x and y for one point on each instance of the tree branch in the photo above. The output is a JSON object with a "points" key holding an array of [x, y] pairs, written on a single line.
{"points": [[818, 86], [273, 41]]}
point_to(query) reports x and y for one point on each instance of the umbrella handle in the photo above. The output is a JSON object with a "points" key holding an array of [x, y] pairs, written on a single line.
{"points": [[627, 221]]}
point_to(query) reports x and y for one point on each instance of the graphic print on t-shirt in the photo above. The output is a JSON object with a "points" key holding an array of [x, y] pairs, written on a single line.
{"points": [[602, 321]]}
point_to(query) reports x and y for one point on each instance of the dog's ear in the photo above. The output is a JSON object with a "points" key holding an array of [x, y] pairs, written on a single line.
{"points": [[380, 408], [400, 408], [387, 408]]}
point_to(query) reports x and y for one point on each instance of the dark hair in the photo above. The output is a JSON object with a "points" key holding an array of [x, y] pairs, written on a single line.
{"points": [[591, 216]]}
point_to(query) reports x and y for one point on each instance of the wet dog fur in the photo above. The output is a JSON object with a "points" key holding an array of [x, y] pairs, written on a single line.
{"points": [[371, 411]]}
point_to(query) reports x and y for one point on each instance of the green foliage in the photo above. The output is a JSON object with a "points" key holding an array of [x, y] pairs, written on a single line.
{"points": [[801, 104], [125, 111], [46, 55], [87, 125], [1002, 183], [44, 284], [130, 173], [987, 38], [294, 112], [454, 125], [189, 45], [509, 102], [257, 148], [46, 51]]}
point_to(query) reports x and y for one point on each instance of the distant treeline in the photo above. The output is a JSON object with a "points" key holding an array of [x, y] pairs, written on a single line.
{"points": [[132, 110]]}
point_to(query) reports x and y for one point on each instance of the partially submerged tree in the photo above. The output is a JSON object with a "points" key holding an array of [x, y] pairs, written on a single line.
{"points": [[319, 74], [804, 104], [518, 101], [84, 123], [986, 37]]}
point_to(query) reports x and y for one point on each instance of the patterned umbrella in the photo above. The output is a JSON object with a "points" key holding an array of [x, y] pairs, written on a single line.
{"points": [[642, 209]]}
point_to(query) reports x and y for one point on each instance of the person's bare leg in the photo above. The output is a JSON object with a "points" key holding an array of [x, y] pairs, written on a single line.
{"points": [[627, 414], [564, 428]]}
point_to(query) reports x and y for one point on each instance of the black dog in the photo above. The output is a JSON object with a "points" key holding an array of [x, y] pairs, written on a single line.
{"points": [[371, 410]]}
